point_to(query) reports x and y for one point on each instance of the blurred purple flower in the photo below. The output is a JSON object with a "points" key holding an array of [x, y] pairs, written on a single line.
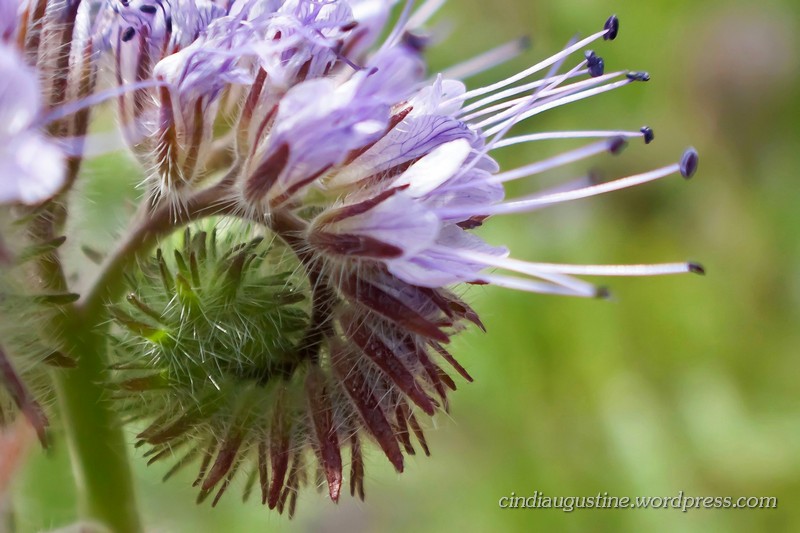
{"points": [[32, 167]]}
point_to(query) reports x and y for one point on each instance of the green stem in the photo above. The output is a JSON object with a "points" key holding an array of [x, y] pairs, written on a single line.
{"points": [[96, 440], [94, 434], [97, 444]]}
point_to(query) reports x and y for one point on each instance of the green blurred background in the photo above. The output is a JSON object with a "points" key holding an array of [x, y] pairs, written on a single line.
{"points": [[677, 384]]}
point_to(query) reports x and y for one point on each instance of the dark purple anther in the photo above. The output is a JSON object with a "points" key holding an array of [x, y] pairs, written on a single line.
{"points": [[415, 41], [617, 145], [638, 76], [647, 131], [603, 293], [689, 163], [150, 10], [128, 34], [612, 28], [595, 63], [697, 268]]}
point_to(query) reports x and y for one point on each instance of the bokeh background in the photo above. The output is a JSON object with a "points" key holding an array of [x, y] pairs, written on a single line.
{"points": [[677, 384]]}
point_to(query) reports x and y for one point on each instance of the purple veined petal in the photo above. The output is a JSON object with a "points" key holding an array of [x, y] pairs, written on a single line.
{"points": [[309, 116], [203, 69], [471, 190], [443, 97], [318, 28], [435, 168], [411, 139], [428, 123], [392, 75], [398, 221], [435, 267]]}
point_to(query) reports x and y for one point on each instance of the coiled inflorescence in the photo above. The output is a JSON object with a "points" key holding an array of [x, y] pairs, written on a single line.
{"points": [[213, 355]]}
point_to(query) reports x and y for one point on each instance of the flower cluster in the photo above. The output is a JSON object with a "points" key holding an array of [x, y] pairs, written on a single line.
{"points": [[366, 176]]}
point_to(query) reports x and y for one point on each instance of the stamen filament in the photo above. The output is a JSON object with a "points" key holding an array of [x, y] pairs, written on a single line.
{"points": [[566, 158], [544, 95], [561, 101], [566, 52], [512, 92], [487, 60], [589, 134], [511, 282]]}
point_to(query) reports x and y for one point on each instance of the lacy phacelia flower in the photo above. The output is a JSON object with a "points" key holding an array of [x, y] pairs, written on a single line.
{"points": [[371, 178], [32, 167]]}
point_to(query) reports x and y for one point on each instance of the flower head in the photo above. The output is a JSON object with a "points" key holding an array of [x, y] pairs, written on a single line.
{"points": [[371, 179]]}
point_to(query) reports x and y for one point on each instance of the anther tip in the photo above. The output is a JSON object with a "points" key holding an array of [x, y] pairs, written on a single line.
{"points": [[127, 34], [648, 134], [150, 10], [602, 293], [696, 268], [616, 145], [416, 41], [612, 28], [595, 64], [689, 163], [525, 42], [638, 76]]}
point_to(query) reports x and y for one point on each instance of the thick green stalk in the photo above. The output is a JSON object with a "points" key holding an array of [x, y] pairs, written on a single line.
{"points": [[97, 444], [94, 433]]}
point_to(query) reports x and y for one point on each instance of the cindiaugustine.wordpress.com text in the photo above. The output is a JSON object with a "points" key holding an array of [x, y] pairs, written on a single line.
{"points": [[602, 500]]}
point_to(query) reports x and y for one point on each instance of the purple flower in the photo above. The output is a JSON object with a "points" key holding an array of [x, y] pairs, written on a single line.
{"points": [[32, 167], [356, 113], [373, 177]]}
